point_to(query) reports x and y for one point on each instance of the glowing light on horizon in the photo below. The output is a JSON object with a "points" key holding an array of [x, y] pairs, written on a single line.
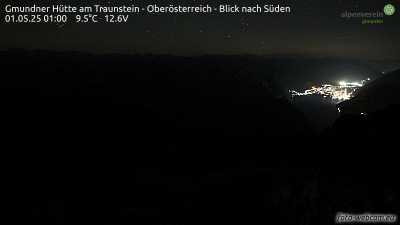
{"points": [[353, 84]]}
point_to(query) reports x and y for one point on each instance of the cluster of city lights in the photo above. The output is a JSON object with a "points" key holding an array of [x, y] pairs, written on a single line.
{"points": [[343, 91]]}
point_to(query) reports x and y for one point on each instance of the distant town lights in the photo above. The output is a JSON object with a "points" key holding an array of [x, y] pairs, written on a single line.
{"points": [[342, 92]]}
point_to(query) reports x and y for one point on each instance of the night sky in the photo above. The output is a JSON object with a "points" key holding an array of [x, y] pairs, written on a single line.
{"points": [[311, 28]]}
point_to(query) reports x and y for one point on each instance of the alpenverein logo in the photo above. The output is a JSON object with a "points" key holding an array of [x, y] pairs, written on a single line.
{"points": [[389, 9]]}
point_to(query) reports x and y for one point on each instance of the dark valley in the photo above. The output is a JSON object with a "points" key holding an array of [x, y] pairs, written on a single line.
{"points": [[160, 139]]}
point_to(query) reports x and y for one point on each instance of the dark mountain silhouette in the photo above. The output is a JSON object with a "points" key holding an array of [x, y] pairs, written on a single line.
{"points": [[384, 65], [374, 95], [370, 121], [366, 141], [301, 74], [304, 72], [146, 139], [158, 111]]}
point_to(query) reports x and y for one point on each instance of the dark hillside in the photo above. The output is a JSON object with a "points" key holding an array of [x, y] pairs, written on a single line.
{"points": [[117, 139], [374, 95]]}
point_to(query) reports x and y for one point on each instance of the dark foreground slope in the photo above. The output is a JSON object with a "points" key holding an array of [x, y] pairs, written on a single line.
{"points": [[150, 103], [370, 120], [375, 95], [77, 125], [362, 144], [119, 139]]}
